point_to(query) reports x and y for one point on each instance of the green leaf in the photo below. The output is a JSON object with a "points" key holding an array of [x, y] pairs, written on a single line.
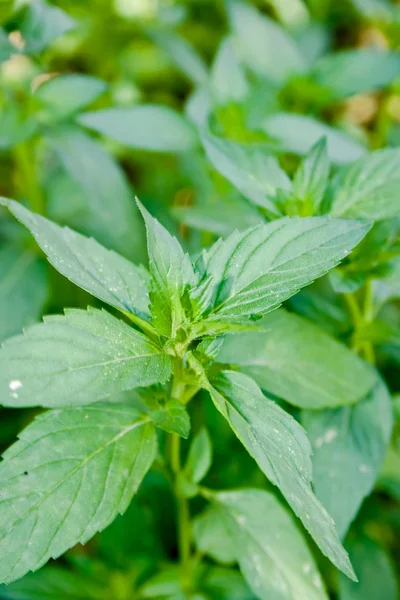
{"points": [[355, 71], [113, 217], [250, 168], [281, 449], [67, 94], [182, 54], [225, 584], [53, 583], [43, 23], [199, 458], [349, 445], [68, 477], [272, 554], [23, 289], [258, 38], [254, 271], [77, 359], [311, 178], [298, 133], [376, 574], [172, 274], [369, 187], [172, 417], [145, 127], [228, 79], [292, 358], [211, 537], [86, 263], [15, 127]]}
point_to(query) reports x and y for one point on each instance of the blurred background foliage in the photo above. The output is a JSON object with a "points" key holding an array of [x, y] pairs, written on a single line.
{"points": [[104, 99]]}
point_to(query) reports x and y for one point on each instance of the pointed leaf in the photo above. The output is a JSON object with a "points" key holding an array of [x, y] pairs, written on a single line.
{"points": [[172, 417], [298, 133], [258, 38], [212, 538], [259, 268], [199, 458], [86, 263], [352, 72], [77, 359], [349, 445], [172, 273], [311, 178], [65, 95], [369, 187], [228, 79], [272, 554], [250, 168], [297, 361], [68, 477], [282, 451], [146, 127], [109, 210], [41, 24]]}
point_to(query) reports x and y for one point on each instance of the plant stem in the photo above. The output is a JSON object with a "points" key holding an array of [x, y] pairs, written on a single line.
{"points": [[183, 517], [29, 184], [360, 318]]}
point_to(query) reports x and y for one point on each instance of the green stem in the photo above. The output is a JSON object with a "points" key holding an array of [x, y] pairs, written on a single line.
{"points": [[183, 509], [29, 184], [360, 318]]}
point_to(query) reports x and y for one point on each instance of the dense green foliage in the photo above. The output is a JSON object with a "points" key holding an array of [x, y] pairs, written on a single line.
{"points": [[172, 173]]}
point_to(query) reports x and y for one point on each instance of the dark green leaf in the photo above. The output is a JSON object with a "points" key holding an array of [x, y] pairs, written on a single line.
{"points": [[271, 552], [256, 270], [172, 417], [349, 445], [212, 538], [369, 188], [97, 270], [68, 477], [297, 361], [199, 458], [282, 451]]}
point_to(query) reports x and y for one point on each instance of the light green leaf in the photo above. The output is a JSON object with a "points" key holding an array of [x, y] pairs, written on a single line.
{"points": [[222, 583], [297, 361], [355, 71], [41, 24], [211, 537], [23, 289], [298, 133], [113, 216], [182, 54], [272, 554], [78, 358], [250, 168], [86, 263], [254, 271], [172, 274], [369, 187], [311, 178], [376, 574], [145, 127], [228, 80], [68, 477], [15, 127], [199, 458], [281, 449], [67, 94], [172, 417], [257, 38], [349, 445]]}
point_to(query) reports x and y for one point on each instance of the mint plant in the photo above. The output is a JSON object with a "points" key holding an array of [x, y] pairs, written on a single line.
{"points": [[78, 465]]}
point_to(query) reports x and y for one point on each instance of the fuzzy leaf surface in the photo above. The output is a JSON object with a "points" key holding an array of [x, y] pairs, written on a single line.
{"points": [[69, 475], [78, 358], [281, 449]]}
